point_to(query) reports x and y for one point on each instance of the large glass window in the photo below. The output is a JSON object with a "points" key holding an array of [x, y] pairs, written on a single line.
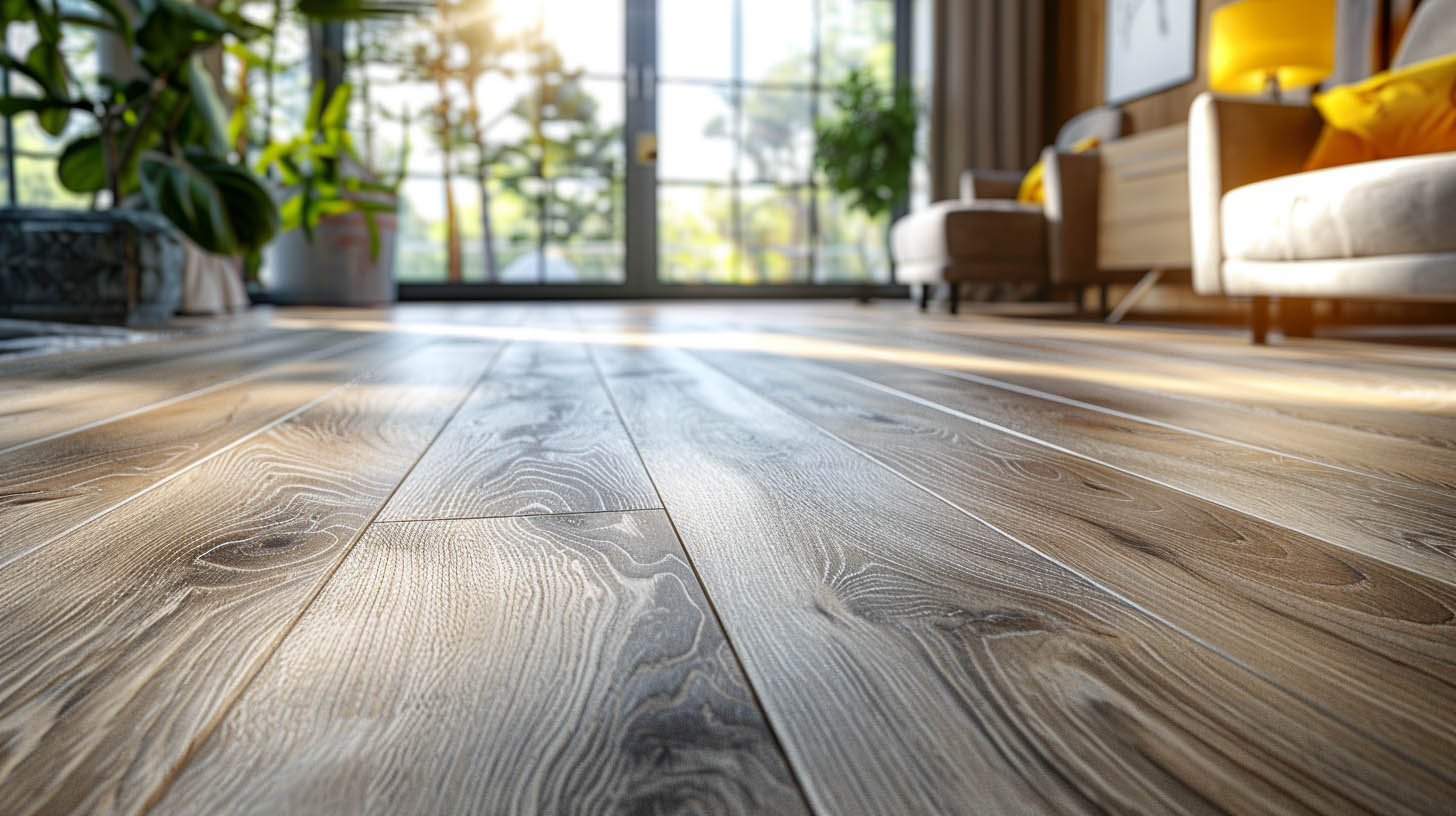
{"points": [[35, 151], [514, 112], [741, 84]]}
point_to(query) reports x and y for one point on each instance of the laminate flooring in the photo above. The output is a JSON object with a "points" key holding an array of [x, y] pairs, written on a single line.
{"points": [[714, 558]]}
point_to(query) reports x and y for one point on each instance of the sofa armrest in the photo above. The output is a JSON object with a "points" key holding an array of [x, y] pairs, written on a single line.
{"points": [[983, 184], [1071, 209], [1232, 143]]}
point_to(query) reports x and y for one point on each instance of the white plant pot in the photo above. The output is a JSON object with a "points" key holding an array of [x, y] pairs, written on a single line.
{"points": [[335, 268]]}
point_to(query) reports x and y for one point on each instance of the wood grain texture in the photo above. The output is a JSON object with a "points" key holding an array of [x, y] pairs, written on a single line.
{"points": [[1404, 524], [53, 487], [913, 660], [539, 436], [1287, 607], [41, 400], [1378, 398], [982, 348], [120, 642], [550, 664]]}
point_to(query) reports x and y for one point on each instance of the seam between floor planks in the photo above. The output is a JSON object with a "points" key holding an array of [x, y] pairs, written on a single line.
{"points": [[1416, 558], [251, 674], [926, 336], [1440, 568], [1084, 575], [656, 376], [559, 664], [115, 651], [1272, 386], [340, 349], [252, 375], [992, 347], [516, 515], [702, 585]]}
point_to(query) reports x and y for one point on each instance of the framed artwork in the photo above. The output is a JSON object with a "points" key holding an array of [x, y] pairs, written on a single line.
{"points": [[1151, 45]]}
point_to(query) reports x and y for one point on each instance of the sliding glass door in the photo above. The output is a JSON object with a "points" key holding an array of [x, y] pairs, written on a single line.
{"points": [[740, 84], [625, 146], [515, 163]]}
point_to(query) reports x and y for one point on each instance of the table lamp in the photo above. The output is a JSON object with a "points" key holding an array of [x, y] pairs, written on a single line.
{"points": [[1267, 45]]}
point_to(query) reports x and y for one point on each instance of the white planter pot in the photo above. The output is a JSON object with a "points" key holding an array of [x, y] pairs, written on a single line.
{"points": [[335, 268]]}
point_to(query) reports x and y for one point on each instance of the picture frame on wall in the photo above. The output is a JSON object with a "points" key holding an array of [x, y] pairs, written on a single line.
{"points": [[1150, 46]]}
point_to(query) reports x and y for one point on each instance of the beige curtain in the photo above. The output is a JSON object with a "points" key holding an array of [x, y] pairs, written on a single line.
{"points": [[989, 95]]}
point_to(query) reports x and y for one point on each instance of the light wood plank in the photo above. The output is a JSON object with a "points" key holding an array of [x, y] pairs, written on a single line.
{"points": [[1406, 525], [120, 643], [1157, 399], [1373, 644], [45, 400], [539, 436], [54, 487], [550, 664], [913, 660]]}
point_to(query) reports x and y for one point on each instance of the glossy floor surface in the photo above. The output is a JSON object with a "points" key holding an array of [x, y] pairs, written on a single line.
{"points": [[725, 558]]}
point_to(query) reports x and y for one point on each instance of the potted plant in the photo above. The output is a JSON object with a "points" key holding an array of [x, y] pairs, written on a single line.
{"points": [[155, 153], [337, 247], [866, 149]]}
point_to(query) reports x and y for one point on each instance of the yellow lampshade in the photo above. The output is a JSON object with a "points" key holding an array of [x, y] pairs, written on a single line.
{"points": [[1252, 41]]}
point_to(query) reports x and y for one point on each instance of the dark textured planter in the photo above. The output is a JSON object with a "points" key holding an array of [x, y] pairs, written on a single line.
{"points": [[110, 266]]}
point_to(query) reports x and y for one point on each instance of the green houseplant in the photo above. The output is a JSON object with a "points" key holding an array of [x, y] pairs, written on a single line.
{"points": [[162, 135], [865, 150], [329, 202], [152, 149]]}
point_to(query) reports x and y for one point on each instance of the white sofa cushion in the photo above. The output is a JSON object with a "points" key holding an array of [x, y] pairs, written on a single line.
{"points": [[1388, 207]]}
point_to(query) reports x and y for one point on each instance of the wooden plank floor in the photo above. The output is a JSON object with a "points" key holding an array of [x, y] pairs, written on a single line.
{"points": [[714, 558]]}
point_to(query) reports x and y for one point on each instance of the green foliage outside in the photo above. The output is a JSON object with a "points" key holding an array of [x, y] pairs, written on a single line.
{"points": [[865, 150]]}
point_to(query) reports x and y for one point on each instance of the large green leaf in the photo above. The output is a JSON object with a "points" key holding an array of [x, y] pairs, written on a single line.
{"points": [[15, 11], [221, 207], [46, 60], [173, 31], [119, 17], [359, 9], [16, 105], [337, 111], [189, 200], [82, 166], [208, 105], [250, 206]]}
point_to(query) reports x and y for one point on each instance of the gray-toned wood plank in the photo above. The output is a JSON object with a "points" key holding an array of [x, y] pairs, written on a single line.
{"points": [[547, 664], [1372, 643], [914, 660], [1177, 398], [1416, 406], [53, 487], [1409, 525], [119, 643], [1401, 524], [44, 400], [539, 436]]}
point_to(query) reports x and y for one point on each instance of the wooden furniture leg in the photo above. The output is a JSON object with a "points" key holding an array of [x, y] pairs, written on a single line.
{"points": [[1296, 317], [955, 297], [924, 296], [1259, 319]]}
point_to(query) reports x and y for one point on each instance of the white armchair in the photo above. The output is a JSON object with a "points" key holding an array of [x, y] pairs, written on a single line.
{"points": [[1262, 228]]}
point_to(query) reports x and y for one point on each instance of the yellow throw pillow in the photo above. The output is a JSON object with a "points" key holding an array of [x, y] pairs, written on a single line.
{"points": [[1404, 112], [1032, 189]]}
